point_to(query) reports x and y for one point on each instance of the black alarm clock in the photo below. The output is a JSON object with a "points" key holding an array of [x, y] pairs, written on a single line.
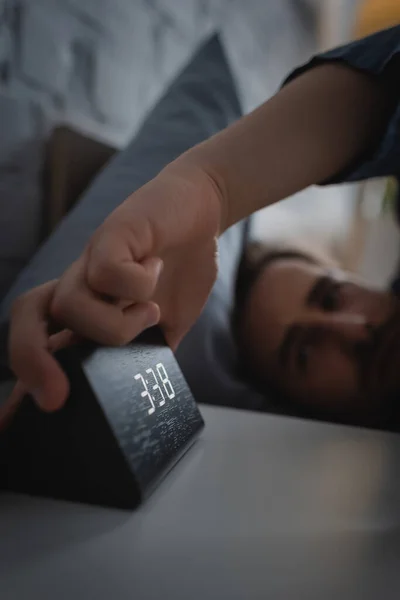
{"points": [[129, 417]]}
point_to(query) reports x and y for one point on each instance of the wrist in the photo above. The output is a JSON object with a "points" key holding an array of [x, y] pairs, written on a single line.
{"points": [[207, 185]]}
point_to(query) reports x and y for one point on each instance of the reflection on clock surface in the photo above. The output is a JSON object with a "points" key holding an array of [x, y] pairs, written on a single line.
{"points": [[158, 394]]}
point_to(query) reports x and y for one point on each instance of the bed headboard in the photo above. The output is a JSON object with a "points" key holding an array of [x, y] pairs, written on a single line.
{"points": [[72, 161]]}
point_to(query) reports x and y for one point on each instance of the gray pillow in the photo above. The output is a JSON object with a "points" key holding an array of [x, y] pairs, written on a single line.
{"points": [[201, 101]]}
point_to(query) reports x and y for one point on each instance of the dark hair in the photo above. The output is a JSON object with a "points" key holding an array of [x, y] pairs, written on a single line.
{"points": [[257, 257]]}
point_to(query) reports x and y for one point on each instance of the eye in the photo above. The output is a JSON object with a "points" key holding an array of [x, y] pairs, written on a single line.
{"points": [[330, 300]]}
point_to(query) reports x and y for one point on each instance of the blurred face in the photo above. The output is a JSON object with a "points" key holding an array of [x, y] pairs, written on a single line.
{"points": [[326, 340]]}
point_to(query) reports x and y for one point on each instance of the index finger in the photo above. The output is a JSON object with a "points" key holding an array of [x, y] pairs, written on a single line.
{"points": [[19, 391], [30, 356]]}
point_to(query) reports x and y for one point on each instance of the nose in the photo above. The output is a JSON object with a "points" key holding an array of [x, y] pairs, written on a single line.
{"points": [[351, 328]]}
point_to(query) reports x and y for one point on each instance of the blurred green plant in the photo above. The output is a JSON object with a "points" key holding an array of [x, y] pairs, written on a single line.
{"points": [[390, 198]]}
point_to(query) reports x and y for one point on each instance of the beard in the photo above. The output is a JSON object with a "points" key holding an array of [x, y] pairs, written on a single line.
{"points": [[390, 413], [380, 373]]}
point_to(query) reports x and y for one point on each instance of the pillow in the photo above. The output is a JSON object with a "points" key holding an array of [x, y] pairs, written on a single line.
{"points": [[201, 101]]}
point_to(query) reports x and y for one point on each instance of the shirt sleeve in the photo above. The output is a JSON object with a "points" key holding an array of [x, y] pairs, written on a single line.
{"points": [[379, 56]]}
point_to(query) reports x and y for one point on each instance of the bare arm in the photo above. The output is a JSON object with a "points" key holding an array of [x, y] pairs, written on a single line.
{"points": [[316, 125]]}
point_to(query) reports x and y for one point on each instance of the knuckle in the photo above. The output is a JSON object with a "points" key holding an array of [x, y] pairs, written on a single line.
{"points": [[147, 289], [20, 355], [59, 308], [119, 338], [23, 301], [98, 275]]}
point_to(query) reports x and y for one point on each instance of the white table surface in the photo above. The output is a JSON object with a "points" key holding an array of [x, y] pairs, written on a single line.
{"points": [[261, 507]]}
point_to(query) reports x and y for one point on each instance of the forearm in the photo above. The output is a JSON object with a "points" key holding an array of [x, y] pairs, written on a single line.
{"points": [[311, 129]]}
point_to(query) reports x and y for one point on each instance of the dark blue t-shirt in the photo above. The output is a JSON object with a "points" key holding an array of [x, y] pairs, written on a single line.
{"points": [[379, 56]]}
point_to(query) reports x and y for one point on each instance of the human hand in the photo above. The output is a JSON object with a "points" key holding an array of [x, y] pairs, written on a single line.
{"points": [[45, 345], [153, 260]]}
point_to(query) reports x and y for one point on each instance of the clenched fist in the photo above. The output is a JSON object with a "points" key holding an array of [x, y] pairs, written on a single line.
{"points": [[153, 260]]}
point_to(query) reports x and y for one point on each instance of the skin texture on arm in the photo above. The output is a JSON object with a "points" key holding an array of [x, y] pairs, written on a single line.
{"points": [[315, 126]]}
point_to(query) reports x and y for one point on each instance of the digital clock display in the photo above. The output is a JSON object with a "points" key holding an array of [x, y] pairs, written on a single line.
{"points": [[147, 402], [160, 393]]}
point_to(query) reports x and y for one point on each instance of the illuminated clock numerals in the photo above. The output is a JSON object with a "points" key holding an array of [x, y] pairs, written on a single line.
{"points": [[145, 393], [159, 398], [162, 372], [156, 387]]}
